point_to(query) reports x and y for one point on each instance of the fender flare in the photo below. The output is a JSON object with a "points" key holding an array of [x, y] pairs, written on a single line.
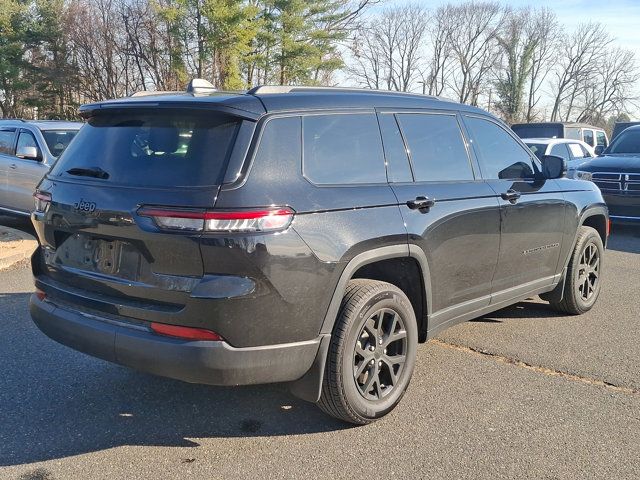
{"points": [[309, 386]]}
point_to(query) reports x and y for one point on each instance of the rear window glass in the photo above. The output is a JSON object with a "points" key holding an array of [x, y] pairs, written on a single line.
{"points": [[343, 149], [58, 140], [627, 142], [538, 149], [154, 148]]}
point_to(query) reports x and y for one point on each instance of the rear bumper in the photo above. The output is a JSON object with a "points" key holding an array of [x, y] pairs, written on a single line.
{"points": [[207, 362]]}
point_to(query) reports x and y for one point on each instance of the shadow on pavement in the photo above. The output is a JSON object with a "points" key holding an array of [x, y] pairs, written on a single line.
{"points": [[523, 310], [624, 238], [19, 223], [55, 402]]}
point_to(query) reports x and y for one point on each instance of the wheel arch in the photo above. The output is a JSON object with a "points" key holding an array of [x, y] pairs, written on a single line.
{"points": [[309, 386]]}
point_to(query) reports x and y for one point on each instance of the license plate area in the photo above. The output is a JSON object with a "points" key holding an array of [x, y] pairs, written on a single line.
{"points": [[108, 257]]}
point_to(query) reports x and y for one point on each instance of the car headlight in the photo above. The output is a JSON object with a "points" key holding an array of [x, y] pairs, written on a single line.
{"points": [[583, 175]]}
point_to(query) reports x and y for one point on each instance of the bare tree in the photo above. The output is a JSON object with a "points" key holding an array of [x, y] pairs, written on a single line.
{"points": [[473, 43], [581, 53], [545, 28], [388, 51], [438, 35]]}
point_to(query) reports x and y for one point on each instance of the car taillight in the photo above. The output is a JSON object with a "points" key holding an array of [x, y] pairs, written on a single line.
{"points": [[42, 201], [259, 220], [187, 333]]}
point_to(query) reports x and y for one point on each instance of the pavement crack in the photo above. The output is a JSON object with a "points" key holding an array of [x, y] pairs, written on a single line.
{"points": [[537, 368]]}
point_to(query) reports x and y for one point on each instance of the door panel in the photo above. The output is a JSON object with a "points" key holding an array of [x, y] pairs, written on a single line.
{"points": [[452, 217], [24, 175], [532, 210], [7, 148]]}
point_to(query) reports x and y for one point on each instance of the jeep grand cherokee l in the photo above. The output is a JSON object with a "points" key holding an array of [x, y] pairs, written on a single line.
{"points": [[304, 235]]}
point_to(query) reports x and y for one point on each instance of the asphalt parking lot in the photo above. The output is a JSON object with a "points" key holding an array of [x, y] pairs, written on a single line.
{"points": [[522, 393]]}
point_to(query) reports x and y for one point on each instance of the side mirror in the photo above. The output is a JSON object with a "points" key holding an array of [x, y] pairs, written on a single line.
{"points": [[599, 150], [553, 167], [30, 153]]}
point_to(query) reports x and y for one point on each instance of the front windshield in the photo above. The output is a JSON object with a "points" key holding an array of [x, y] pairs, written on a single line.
{"points": [[626, 142]]}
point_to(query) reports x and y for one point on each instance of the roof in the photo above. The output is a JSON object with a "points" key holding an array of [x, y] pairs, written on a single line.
{"points": [[42, 124], [549, 124], [269, 99]]}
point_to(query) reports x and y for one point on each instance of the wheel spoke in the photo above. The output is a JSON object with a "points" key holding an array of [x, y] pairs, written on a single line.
{"points": [[373, 375], [361, 368]]}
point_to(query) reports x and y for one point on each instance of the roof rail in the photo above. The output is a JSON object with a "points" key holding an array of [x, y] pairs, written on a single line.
{"points": [[200, 85], [270, 89], [148, 93]]}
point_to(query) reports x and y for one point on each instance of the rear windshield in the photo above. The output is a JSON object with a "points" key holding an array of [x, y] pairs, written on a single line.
{"points": [[167, 148], [537, 131], [627, 142], [538, 149], [58, 140]]}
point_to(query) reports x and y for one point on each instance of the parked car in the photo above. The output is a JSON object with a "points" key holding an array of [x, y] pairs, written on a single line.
{"points": [[574, 152], [617, 174], [27, 151], [621, 126], [592, 136], [304, 235]]}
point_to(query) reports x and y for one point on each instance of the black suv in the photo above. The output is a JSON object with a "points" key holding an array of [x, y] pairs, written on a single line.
{"points": [[304, 235]]}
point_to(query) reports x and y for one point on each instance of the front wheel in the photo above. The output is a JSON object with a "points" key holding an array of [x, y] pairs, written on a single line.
{"points": [[372, 353], [584, 274]]}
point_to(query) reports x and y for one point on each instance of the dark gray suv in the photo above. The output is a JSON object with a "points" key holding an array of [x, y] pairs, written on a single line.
{"points": [[304, 235]]}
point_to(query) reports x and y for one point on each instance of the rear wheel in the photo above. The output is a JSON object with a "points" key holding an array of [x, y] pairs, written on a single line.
{"points": [[582, 283], [372, 353]]}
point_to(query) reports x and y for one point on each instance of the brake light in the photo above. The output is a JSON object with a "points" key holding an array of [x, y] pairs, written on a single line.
{"points": [[262, 220], [187, 333], [42, 201]]}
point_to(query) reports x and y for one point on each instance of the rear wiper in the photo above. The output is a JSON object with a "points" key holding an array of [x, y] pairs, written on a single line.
{"points": [[96, 172]]}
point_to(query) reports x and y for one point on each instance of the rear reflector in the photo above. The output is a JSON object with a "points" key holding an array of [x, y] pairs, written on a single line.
{"points": [[40, 295], [262, 220], [187, 333]]}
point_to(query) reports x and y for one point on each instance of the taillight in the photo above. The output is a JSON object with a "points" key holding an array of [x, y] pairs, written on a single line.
{"points": [[187, 333], [262, 220], [42, 201]]}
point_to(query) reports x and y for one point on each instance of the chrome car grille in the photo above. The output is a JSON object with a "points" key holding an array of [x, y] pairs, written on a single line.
{"points": [[606, 181]]}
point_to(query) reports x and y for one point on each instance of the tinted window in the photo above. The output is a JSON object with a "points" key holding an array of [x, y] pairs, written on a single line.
{"points": [[58, 140], [538, 149], [436, 147], [398, 168], [6, 141], [587, 136], [627, 142], [26, 139], [343, 149], [538, 131], [560, 150], [153, 148], [499, 154], [602, 138]]}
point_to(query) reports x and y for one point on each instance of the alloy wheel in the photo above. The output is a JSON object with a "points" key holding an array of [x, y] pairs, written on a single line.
{"points": [[588, 272]]}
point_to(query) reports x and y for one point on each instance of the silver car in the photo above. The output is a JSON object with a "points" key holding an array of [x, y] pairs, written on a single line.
{"points": [[27, 151]]}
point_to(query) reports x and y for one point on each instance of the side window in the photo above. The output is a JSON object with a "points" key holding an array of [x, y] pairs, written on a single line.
{"points": [[26, 139], [560, 150], [499, 154], [280, 144], [6, 141], [576, 150], [436, 147], [601, 138], [585, 153], [587, 136], [395, 153], [342, 149]]}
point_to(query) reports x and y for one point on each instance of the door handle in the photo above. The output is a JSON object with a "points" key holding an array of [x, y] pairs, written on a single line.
{"points": [[421, 203], [13, 166], [511, 195]]}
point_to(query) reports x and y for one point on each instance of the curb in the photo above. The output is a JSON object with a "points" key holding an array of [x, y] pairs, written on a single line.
{"points": [[15, 246]]}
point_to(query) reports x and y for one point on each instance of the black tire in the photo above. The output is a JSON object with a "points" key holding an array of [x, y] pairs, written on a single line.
{"points": [[583, 280], [362, 398]]}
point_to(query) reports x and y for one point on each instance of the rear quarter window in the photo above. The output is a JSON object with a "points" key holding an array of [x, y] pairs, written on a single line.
{"points": [[341, 149], [159, 148]]}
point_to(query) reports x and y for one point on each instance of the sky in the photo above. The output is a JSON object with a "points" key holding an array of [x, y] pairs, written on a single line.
{"points": [[620, 17]]}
